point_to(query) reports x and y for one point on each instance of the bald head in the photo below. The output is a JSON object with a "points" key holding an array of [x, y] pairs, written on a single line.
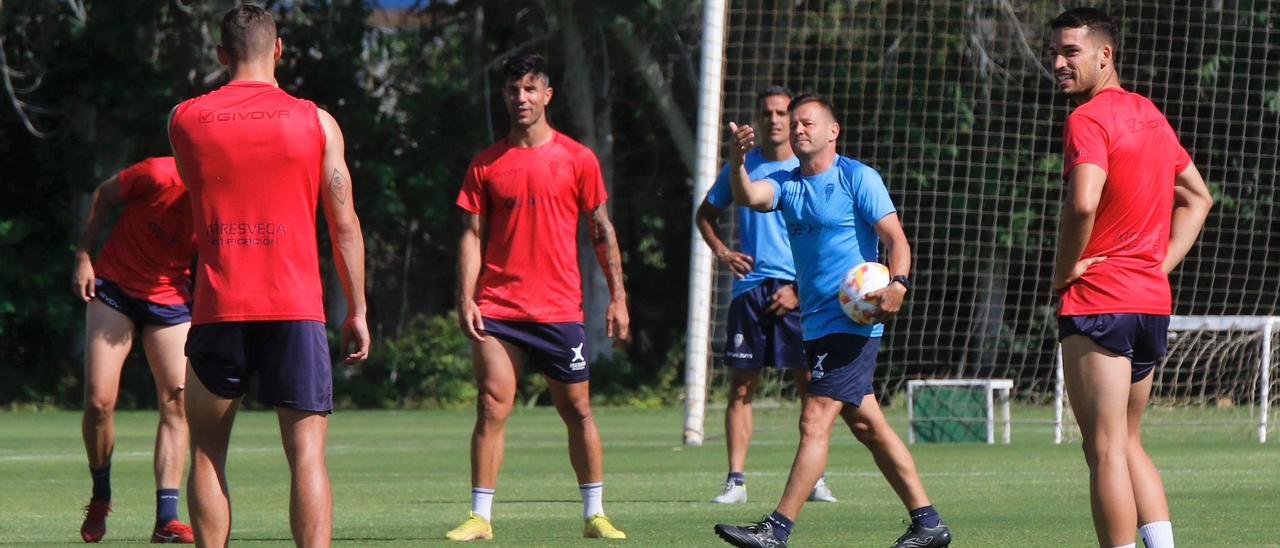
{"points": [[248, 33]]}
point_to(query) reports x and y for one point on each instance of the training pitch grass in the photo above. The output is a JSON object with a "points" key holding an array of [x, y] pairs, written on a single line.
{"points": [[401, 479]]}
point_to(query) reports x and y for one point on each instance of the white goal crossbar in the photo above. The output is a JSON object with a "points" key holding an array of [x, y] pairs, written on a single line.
{"points": [[1266, 326]]}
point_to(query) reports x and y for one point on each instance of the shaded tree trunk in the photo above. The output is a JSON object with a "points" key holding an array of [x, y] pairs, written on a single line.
{"points": [[585, 98]]}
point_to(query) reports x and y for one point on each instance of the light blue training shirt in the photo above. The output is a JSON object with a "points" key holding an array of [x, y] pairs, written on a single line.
{"points": [[762, 234], [830, 220]]}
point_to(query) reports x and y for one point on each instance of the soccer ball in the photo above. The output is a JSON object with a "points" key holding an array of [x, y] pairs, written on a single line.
{"points": [[859, 281]]}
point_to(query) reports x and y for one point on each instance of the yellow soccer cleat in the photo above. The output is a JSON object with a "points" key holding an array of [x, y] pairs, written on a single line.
{"points": [[475, 528], [599, 526]]}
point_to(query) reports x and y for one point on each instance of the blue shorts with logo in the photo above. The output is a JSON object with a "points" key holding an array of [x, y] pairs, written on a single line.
{"points": [[291, 359], [1143, 338], [556, 349], [755, 337], [841, 366], [138, 311]]}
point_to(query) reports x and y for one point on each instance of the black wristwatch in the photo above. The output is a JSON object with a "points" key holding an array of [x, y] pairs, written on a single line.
{"points": [[905, 281]]}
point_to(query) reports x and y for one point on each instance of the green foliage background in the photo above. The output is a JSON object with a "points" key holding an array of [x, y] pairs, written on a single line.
{"points": [[947, 98]]}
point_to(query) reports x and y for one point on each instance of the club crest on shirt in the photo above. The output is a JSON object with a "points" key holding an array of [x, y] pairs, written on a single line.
{"points": [[831, 188], [737, 340]]}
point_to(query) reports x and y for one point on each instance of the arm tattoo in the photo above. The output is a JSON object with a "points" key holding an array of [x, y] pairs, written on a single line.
{"points": [[607, 252], [338, 187]]}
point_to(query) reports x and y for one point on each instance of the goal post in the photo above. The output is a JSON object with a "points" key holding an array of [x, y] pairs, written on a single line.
{"points": [[1223, 365], [697, 343]]}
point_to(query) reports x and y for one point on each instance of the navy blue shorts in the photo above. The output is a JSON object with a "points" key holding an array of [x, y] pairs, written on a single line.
{"points": [[1143, 338], [291, 359], [755, 338], [138, 311], [841, 366], [556, 349]]}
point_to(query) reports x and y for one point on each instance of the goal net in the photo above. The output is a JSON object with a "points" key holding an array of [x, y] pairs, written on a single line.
{"points": [[1217, 377], [953, 103]]}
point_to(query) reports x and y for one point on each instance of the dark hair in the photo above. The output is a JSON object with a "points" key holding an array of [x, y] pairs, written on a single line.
{"points": [[771, 91], [247, 31], [518, 66], [1095, 20], [805, 98]]}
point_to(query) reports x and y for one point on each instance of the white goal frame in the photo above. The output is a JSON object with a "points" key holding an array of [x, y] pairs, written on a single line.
{"points": [[701, 268], [1265, 325], [995, 389]]}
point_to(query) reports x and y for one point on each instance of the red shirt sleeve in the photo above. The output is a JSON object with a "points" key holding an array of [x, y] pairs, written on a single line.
{"points": [[138, 181], [591, 192], [1084, 142], [1181, 160], [472, 198]]}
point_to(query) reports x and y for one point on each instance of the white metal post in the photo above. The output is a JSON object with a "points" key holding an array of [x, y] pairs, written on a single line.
{"points": [[1008, 420], [911, 412], [991, 415], [1265, 392], [700, 266], [1057, 396]]}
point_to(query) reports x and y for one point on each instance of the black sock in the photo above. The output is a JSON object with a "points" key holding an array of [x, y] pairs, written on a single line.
{"points": [[925, 517], [736, 478], [101, 483], [166, 506], [781, 525]]}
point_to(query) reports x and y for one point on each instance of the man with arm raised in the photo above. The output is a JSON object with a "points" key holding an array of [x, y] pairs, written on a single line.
{"points": [[837, 211]]}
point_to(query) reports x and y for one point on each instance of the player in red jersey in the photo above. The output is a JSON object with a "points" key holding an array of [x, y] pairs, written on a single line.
{"points": [[1135, 205], [258, 162], [141, 279], [519, 290]]}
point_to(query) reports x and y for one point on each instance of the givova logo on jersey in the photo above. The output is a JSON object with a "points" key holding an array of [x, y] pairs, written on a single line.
{"points": [[208, 116]]}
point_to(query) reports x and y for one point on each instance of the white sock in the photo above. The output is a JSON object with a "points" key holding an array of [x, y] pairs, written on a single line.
{"points": [[482, 502], [1130, 545], [1157, 534], [592, 499]]}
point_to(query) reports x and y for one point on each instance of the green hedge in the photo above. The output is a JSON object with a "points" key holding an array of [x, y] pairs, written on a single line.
{"points": [[429, 366]]}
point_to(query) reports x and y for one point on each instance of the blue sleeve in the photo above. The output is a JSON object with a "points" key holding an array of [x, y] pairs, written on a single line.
{"points": [[777, 192], [720, 195], [870, 197]]}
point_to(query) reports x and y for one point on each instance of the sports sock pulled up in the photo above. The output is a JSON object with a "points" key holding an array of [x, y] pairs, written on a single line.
{"points": [[781, 525], [926, 516], [166, 506], [101, 483], [482, 502], [592, 499], [1157, 534]]}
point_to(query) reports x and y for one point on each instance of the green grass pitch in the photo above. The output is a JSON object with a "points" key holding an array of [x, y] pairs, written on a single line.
{"points": [[401, 479]]}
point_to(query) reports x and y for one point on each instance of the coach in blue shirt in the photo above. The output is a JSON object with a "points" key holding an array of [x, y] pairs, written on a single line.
{"points": [[763, 328], [836, 210]]}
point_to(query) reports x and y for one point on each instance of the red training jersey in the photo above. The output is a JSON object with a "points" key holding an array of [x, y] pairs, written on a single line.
{"points": [[251, 155], [1128, 137], [149, 252], [531, 199]]}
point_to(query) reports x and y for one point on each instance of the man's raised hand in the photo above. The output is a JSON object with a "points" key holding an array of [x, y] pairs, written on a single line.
{"points": [[744, 139]]}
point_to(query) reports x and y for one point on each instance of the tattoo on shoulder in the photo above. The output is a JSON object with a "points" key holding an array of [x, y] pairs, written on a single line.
{"points": [[338, 187]]}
